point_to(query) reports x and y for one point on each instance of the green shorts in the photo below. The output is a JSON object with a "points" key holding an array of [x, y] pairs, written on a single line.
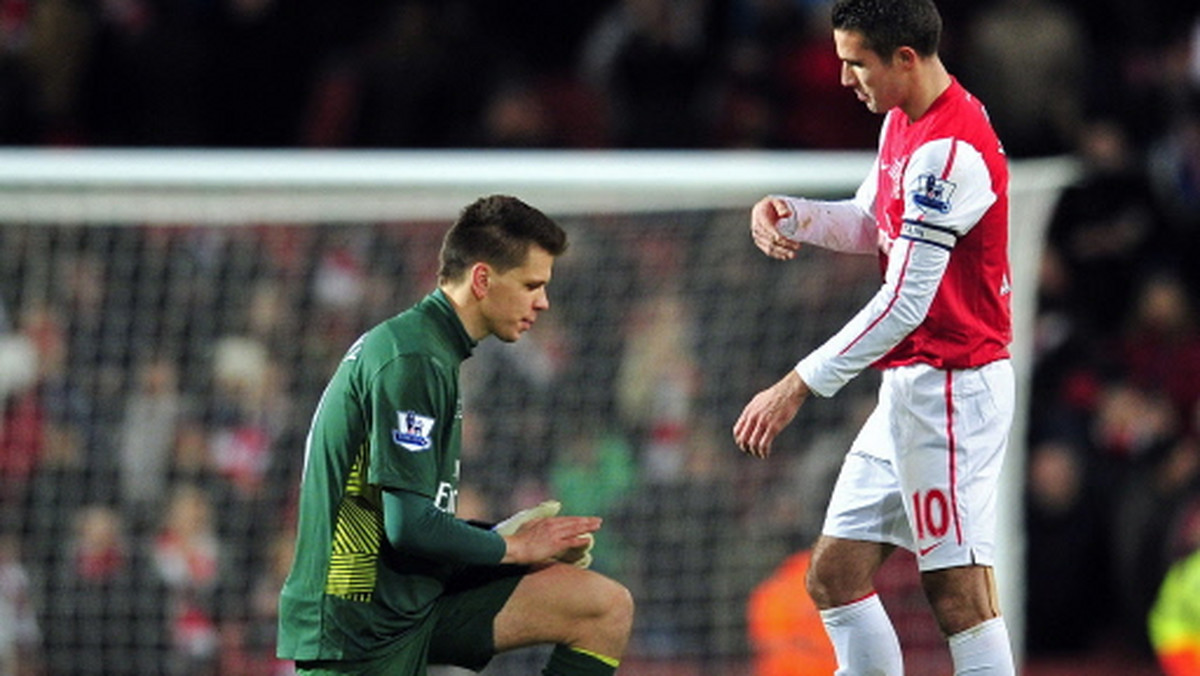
{"points": [[459, 631]]}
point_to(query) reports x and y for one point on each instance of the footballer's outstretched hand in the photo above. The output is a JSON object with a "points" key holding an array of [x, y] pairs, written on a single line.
{"points": [[544, 539], [769, 219], [768, 413]]}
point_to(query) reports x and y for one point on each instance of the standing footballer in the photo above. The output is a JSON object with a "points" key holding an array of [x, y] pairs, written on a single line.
{"points": [[923, 471], [386, 579]]}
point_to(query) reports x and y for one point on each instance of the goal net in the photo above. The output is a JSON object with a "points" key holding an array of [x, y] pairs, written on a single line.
{"points": [[168, 320]]}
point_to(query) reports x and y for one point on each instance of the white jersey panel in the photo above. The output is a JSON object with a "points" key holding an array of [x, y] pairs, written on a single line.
{"points": [[947, 184]]}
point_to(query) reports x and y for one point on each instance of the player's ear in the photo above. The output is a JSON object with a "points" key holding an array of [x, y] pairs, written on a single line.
{"points": [[481, 277], [905, 57]]}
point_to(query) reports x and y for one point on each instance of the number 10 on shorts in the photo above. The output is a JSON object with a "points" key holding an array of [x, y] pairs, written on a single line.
{"points": [[931, 513]]}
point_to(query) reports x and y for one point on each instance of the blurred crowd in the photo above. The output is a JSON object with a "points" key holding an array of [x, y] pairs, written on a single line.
{"points": [[156, 382], [538, 73]]}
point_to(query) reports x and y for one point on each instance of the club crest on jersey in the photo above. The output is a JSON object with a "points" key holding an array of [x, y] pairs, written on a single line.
{"points": [[933, 193], [413, 431]]}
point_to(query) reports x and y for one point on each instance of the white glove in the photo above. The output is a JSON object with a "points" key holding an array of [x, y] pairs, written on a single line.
{"points": [[513, 523], [580, 557]]}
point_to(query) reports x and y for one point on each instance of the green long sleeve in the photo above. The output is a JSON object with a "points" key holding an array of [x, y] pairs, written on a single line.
{"points": [[415, 526]]}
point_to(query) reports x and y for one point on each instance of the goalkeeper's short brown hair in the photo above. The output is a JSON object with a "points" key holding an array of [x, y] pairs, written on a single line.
{"points": [[497, 230]]}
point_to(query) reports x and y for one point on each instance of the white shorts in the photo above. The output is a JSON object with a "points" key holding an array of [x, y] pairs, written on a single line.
{"points": [[924, 470]]}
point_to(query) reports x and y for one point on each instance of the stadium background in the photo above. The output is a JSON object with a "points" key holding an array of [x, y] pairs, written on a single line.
{"points": [[148, 464]]}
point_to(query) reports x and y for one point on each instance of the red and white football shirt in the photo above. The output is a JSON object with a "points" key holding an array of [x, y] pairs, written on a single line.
{"points": [[938, 196]]}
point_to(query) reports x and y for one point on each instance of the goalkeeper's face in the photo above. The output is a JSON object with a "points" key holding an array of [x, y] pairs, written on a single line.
{"points": [[514, 298]]}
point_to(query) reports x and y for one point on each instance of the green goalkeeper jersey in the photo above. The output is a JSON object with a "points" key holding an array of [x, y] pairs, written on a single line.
{"points": [[391, 418]]}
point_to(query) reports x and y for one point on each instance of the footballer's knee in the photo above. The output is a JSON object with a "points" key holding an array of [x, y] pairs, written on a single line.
{"points": [[843, 571], [830, 587], [607, 617], [614, 603], [817, 588]]}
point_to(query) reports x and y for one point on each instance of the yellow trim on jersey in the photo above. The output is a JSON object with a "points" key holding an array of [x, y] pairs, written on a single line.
{"points": [[610, 661], [357, 533]]}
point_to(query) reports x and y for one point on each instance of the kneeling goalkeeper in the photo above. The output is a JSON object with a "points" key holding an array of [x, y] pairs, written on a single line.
{"points": [[386, 580]]}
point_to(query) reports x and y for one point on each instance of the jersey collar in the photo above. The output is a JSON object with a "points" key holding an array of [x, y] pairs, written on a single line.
{"points": [[439, 307]]}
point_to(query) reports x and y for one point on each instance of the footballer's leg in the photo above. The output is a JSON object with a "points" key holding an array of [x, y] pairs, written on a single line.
{"points": [[587, 615], [956, 565], [840, 583], [961, 597], [864, 524], [964, 601]]}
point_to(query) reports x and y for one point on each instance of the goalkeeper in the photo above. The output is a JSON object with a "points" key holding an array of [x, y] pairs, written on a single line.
{"points": [[386, 580]]}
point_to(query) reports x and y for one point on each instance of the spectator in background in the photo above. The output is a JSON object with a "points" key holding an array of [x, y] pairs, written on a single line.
{"points": [[59, 46], [190, 562], [248, 638], [658, 379], [18, 452], [1148, 421], [1174, 172], [1159, 350], [51, 416], [60, 489], [649, 61], [20, 633], [778, 69], [1152, 46], [1146, 509], [152, 416], [1173, 625], [516, 117], [1068, 595], [20, 122], [249, 410], [1105, 228], [749, 109], [594, 471], [249, 415], [786, 633], [107, 615], [806, 75], [403, 85], [683, 620], [1027, 59]]}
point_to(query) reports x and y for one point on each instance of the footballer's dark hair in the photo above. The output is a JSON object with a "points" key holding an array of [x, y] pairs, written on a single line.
{"points": [[498, 230], [888, 25]]}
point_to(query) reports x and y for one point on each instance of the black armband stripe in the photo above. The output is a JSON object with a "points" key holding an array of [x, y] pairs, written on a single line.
{"points": [[937, 235]]}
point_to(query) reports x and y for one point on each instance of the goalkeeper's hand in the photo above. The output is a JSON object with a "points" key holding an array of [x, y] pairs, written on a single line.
{"points": [[579, 556]]}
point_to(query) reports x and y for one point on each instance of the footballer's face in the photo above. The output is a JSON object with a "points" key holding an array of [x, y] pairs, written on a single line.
{"points": [[514, 298], [876, 81]]}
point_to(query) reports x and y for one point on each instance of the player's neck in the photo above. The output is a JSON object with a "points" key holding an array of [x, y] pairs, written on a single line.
{"points": [[466, 306], [930, 81]]}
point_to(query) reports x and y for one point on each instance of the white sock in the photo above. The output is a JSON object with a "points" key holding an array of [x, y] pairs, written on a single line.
{"points": [[983, 650], [864, 639]]}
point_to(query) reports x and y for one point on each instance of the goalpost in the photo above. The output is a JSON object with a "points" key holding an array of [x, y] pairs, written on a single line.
{"points": [[187, 306]]}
